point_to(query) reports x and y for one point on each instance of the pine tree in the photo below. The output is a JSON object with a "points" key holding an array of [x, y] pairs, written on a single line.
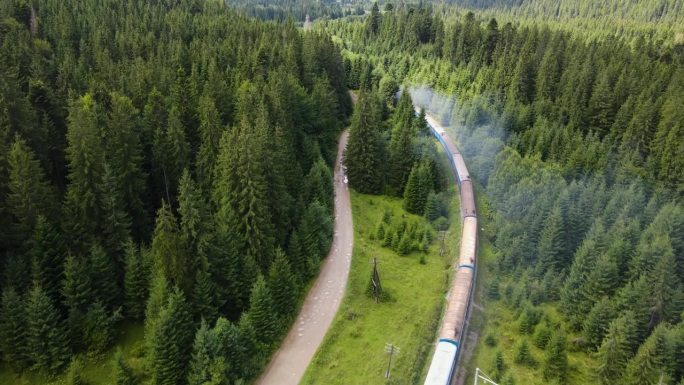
{"points": [[596, 322], [282, 286], [315, 232], [432, 211], [85, 154], [124, 155], [136, 281], [192, 210], [29, 195], [47, 257], [13, 330], [203, 297], [46, 343], [498, 366], [261, 312], [556, 360], [364, 152], [122, 372], [523, 356], [401, 146], [649, 363], [207, 365], [550, 248], [614, 352], [210, 134], [169, 252], [104, 277], [418, 188], [97, 332], [116, 223], [159, 294], [172, 341]]}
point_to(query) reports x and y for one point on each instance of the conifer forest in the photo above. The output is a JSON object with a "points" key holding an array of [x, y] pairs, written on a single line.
{"points": [[167, 176]]}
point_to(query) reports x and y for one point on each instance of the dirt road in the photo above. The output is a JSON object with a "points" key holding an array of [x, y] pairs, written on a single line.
{"points": [[290, 361]]}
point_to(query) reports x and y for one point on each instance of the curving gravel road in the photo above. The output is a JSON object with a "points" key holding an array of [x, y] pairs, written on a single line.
{"points": [[290, 361]]}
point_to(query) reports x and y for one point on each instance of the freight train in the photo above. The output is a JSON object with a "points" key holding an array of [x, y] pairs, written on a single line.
{"points": [[451, 332]]}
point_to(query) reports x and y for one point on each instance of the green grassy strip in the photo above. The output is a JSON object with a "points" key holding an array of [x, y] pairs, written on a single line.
{"points": [[353, 350]]}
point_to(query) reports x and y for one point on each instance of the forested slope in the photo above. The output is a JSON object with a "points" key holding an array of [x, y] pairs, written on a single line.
{"points": [[578, 145], [671, 11], [162, 162]]}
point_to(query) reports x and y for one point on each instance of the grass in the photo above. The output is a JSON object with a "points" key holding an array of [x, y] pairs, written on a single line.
{"points": [[96, 370], [353, 351]]}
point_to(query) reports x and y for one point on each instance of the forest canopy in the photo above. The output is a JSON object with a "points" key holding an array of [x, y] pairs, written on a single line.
{"points": [[165, 163]]}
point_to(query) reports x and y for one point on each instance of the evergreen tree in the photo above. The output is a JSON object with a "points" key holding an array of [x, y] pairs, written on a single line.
{"points": [[29, 194], [116, 223], [282, 286], [85, 154], [172, 341], [169, 253], [210, 134], [649, 363], [122, 372], [47, 343], [136, 281], [13, 329], [401, 145], [363, 155], [192, 209], [556, 360], [124, 155], [596, 322], [498, 366], [47, 257], [418, 188], [104, 277], [261, 312], [523, 356], [207, 365], [614, 352], [551, 246], [203, 297]]}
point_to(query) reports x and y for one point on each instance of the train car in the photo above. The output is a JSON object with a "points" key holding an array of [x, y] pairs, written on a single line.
{"points": [[442, 362], [461, 170], [468, 242], [468, 208]]}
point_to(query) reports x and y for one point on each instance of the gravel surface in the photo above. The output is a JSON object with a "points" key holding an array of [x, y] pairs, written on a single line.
{"points": [[290, 361]]}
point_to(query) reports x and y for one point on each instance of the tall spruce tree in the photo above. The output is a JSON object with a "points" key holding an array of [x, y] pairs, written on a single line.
{"points": [[136, 280], [261, 312], [13, 330], [124, 156], [364, 153], [29, 193], [172, 341], [85, 154], [47, 343]]}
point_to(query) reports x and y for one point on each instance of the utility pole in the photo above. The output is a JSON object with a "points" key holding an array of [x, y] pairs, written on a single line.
{"points": [[479, 375], [375, 281], [391, 350]]}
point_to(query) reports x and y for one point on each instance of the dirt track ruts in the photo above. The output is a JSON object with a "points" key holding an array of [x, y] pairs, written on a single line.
{"points": [[289, 363]]}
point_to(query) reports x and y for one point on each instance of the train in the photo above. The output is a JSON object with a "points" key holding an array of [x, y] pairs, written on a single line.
{"points": [[452, 328]]}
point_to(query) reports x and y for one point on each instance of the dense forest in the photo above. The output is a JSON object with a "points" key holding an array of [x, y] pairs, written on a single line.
{"points": [[165, 163], [577, 145], [646, 11]]}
